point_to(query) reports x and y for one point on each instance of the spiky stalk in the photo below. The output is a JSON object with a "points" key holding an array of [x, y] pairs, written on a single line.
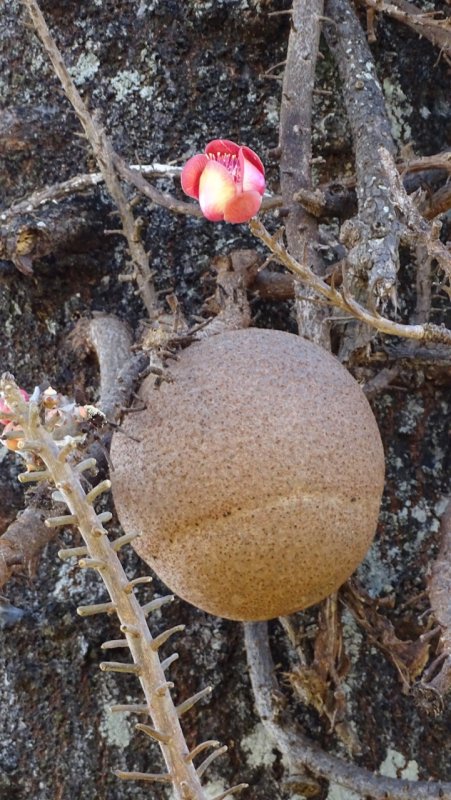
{"points": [[101, 554]]}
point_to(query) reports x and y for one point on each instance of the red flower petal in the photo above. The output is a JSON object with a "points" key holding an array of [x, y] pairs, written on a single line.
{"points": [[191, 174], [242, 207], [251, 156], [222, 146], [252, 171], [216, 189]]}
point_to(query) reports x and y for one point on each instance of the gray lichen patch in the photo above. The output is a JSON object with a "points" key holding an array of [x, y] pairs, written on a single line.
{"points": [[115, 727], [259, 747], [399, 111], [396, 765], [85, 69]]}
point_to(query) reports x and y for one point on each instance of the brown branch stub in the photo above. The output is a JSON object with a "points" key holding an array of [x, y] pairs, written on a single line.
{"points": [[21, 544], [24, 539], [25, 239], [111, 340], [229, 304], [268, 285], [300, 753]]}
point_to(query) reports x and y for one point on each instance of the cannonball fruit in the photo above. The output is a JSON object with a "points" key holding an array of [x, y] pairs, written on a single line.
{"points": [[254, 477]]}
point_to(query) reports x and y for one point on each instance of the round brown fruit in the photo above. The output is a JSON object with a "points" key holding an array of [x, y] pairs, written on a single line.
{"points": [[257, 478]]}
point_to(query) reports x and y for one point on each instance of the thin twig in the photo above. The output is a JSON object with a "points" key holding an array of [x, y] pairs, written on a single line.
{"points": [[25, 239], [342, 299], [77, 185], [104, 155], [300, 752], [416, 230], [438, 31]]}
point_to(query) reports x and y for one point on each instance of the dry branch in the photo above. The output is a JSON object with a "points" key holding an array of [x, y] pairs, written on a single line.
{"points": [[415, 230], [299, 752], [373, 237], [104, 155], [111, 340], [295, 145], [79, 184], [338, 198], [437, 681], [438, 31], [269, 285]]}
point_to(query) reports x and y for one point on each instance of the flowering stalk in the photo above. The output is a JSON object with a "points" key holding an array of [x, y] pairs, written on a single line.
{"points": [[51, 457]]}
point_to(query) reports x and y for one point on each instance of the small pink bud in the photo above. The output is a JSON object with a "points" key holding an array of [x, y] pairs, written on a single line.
{"points": [[11, 444], [227, 180]]}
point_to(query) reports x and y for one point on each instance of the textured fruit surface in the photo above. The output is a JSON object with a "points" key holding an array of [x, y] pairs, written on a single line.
{"points": [[257, 478]]}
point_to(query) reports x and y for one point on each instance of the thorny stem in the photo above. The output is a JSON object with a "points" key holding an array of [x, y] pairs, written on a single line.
{"points": [[101, 555], [372, 239], [104, 154], [300, 752], [416, 231], [343, 300]]}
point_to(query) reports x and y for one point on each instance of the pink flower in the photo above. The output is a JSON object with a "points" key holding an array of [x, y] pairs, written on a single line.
{"points": [[6, 409], [228, 180]]}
